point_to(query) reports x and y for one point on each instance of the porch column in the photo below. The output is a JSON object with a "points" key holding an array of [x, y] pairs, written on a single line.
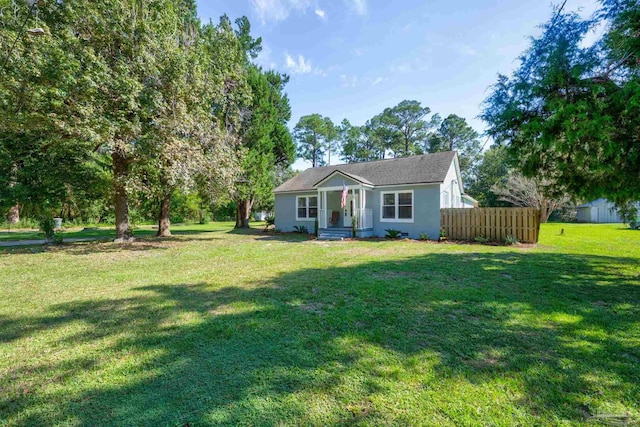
{"points": [[325, 220]]}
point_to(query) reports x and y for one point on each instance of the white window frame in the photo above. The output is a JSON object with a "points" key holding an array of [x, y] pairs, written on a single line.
{"points": [[307, 207], [396, 219]]}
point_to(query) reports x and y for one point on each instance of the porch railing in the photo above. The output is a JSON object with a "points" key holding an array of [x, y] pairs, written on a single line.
{"points": [[364, 218], [323, 219]]}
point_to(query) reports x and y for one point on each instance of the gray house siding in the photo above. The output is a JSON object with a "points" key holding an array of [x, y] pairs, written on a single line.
{"points": [[285, 210], [426, 212]]}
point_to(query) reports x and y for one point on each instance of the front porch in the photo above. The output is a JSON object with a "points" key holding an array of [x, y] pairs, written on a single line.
{"points": [[331, 216]]}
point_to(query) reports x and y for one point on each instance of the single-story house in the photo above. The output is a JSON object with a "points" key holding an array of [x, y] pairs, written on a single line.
{"points": [[600, 210], [404, 194]]}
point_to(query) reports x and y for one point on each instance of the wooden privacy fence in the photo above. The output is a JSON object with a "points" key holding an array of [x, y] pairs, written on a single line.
{"points": [[492, 223]]}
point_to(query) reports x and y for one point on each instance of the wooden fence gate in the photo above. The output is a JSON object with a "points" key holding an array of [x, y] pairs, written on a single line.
{"points": [[492, 223]]}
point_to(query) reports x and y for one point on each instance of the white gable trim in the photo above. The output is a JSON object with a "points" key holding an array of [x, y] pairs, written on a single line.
{"points": [[456, 164], [346, 175]]}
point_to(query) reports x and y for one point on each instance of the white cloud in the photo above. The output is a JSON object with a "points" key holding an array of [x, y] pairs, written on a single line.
{"points": [[299, 66], [358, 6], [402, 68], [349, 81], [319, 72], [356, 52], [377, 81], [593, 36], [278, 10]]}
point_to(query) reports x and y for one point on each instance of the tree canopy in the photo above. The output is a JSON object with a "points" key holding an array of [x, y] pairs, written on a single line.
{"points": [[266, 141], [571, 111], [454, 134], [406, 121], [141, 97], [311, 134]]}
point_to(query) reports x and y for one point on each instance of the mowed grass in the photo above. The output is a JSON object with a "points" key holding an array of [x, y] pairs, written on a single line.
{"points": [[231, 328]]}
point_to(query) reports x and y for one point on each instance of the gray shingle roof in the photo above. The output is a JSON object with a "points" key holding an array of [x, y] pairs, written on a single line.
{"points": [[404, 170]]}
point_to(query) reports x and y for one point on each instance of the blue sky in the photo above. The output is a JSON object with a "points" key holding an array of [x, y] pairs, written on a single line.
{"points": [[353, 58]]}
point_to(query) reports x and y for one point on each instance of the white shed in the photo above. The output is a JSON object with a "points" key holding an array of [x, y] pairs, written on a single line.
{"points": [[600, 210], [260, 215]]}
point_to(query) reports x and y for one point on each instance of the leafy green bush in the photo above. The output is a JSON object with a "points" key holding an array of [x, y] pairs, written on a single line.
{"points": [[301, 229], [511, 240], [424, 236], [354, 224], [47, 226], [269, 221], [481, 239], [443, 234], [205, 217], [392, 233], [27, 223]]}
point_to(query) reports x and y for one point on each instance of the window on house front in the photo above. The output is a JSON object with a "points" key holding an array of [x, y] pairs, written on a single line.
{"points": [[405, 205], [389, 206], [397, 206], [307, 207]]}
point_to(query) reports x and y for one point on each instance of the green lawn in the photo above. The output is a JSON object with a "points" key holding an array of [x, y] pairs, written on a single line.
{"points": [[226, 328]]}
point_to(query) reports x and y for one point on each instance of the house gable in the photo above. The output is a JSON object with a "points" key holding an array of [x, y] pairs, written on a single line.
{"points": [[338, 178], [451, 189]]}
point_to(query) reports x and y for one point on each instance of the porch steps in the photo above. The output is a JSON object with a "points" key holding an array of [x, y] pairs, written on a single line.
{"points": [[334, 234]]}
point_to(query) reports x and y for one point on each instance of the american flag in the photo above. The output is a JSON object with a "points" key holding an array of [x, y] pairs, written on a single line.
{"points": [[345, 192]]}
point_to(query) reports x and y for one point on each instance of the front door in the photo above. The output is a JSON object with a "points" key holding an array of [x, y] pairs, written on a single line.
{"points": [[349, 210]]}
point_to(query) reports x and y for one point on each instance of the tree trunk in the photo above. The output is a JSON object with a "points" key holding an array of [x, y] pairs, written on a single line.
{"points": [[545, 210], [14, 214], [121, 202], [164, 224], [243, 212]]}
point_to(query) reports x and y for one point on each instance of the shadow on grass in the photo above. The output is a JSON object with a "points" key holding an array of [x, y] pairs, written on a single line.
{"points": [[261, 234], [107, 245], [336, 345]]}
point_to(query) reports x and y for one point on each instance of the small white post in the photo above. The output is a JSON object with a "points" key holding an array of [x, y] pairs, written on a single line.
{"points": [[326, 211]]}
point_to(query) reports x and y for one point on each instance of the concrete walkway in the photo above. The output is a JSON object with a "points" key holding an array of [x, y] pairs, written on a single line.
{"points": [[42, 241]]}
